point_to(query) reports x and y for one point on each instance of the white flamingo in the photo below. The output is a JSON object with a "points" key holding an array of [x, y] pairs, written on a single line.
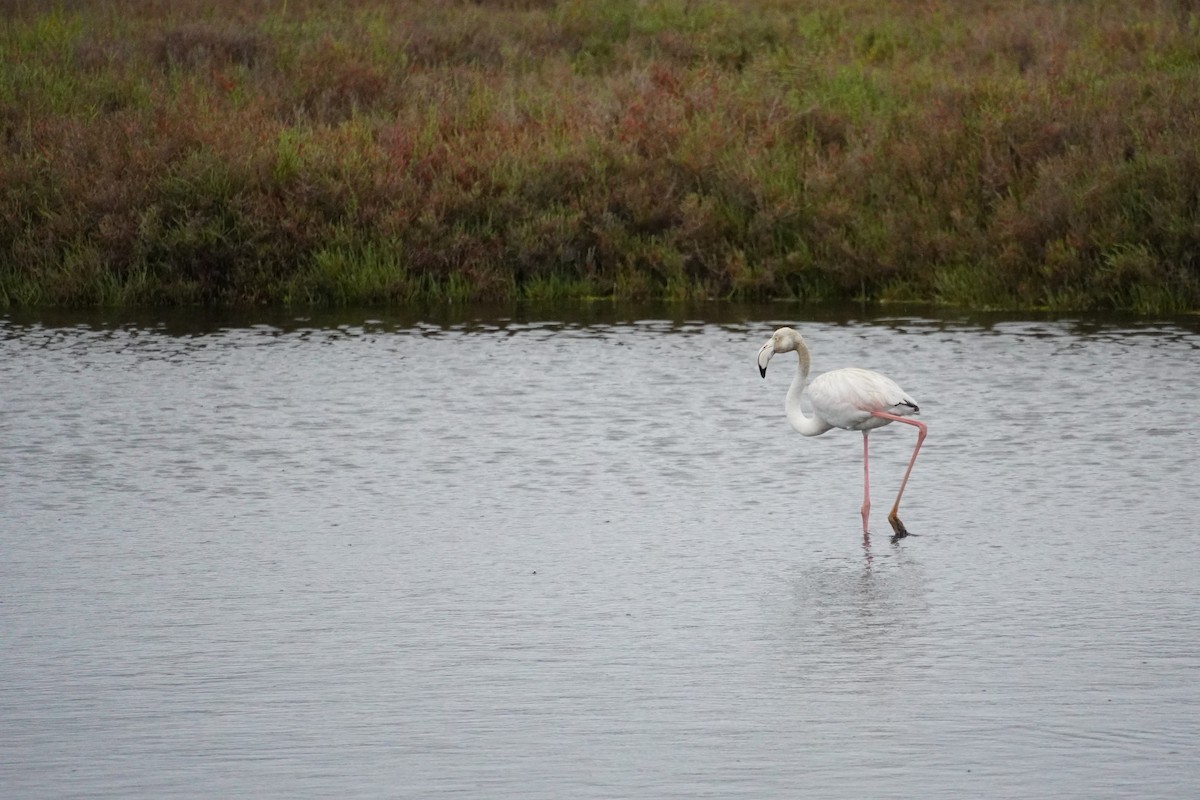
{"points": [[852, 399]]}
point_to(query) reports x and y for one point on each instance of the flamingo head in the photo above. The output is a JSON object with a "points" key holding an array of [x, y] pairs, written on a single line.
{"points": [[784, 340]]}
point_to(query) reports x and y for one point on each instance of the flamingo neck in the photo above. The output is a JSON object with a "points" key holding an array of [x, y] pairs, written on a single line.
{"points": [[801, 422]]}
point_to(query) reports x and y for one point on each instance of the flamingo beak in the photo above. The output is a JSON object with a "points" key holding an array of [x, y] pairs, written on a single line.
{"points": [[764, 355]]}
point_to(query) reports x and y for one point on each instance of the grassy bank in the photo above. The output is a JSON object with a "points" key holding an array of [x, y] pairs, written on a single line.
{"points": [[1003, 154]]}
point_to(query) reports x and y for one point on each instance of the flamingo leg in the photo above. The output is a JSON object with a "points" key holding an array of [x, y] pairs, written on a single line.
{"points": [[894, 517], [866, 506]]}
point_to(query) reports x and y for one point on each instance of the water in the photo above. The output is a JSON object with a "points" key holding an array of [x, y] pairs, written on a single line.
{"points": [[541, 559]]}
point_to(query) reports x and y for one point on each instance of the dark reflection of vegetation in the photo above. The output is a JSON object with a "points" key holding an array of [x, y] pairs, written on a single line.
{"points": [[738, 318], [1029, 154]]}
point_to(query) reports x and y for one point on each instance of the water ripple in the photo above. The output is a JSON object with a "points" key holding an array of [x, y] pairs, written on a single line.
{"points": [[587, 557]]}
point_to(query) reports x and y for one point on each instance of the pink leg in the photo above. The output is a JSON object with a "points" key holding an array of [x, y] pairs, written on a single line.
{"points": [[893, 517], [866, 506]]}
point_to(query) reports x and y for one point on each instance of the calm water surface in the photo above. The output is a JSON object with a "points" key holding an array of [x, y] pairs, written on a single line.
{"points": [[513, 558]]}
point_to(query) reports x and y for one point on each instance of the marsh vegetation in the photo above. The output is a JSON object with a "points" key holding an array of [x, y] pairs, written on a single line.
{"points": [[226, 152]]}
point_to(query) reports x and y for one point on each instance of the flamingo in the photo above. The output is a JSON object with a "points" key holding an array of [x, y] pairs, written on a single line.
{"points": [[852, 399]]}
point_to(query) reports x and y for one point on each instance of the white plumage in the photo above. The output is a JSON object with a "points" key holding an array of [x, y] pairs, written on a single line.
{"points": [[846, 397], [852, 399]]}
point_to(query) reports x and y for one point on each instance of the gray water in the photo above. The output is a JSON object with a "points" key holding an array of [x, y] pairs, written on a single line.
{"points": [[513, 558]]}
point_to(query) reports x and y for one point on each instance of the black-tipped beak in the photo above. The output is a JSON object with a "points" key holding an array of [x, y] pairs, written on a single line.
{"points": [[764, 355]]}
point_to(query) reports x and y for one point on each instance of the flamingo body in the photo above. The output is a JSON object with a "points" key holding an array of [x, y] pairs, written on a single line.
{"points": [[852, 399], [846, 398]]}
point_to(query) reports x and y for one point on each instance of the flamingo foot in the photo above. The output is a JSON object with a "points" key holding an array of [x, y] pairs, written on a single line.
{"points": [[898, 527]]}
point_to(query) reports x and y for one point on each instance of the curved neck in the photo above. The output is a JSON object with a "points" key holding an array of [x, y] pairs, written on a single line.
{"points": [[806, 425]]}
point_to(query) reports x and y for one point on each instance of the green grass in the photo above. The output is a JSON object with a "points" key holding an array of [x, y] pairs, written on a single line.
{"points": [[991, 155]]}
